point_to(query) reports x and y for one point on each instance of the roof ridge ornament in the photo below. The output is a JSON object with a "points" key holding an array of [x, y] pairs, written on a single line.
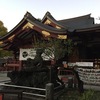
{"points": [[48, 13], [27, 14]]}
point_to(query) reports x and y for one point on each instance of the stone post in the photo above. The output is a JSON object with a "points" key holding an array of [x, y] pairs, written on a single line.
{"points": [[70, 82], [49, 91]]}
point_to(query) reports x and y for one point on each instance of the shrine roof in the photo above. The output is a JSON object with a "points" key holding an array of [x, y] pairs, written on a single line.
{"points": [[29, 25], [51, 18], [29, 18], [78, 22], [94, 27]]}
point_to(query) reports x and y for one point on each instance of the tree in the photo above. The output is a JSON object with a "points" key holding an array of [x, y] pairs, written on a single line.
{"points": [[55, 48], [3, 29], [5, 53]]}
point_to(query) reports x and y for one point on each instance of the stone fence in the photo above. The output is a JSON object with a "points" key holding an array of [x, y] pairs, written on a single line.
{"points": [[89, 76]]}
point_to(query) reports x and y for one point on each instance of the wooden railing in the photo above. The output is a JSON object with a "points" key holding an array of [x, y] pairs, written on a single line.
{"points": [[48, 93]]}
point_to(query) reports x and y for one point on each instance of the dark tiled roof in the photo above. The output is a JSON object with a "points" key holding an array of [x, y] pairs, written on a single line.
{"points": [[29, 18], [82, 23], [20, 33], [46, 27], [78, 22], [89, 28], [72, 24]]}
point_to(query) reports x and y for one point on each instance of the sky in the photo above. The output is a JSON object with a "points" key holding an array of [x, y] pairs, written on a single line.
{"points": [[12, 11]]}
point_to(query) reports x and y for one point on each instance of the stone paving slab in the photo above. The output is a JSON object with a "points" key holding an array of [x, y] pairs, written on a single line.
{"points": [[93, 87], [3, 76]]}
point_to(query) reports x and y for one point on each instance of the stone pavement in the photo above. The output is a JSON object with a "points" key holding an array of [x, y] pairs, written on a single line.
{"points": [[3, 76], [93, 87]]}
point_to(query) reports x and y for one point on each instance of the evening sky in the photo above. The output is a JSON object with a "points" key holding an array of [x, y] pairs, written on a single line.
{"points": [[12, 11]]}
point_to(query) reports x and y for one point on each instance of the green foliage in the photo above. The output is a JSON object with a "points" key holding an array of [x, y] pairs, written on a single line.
{"points": [[55, 48], [3, 30], [75, 95], [4, 53], [87, 95]]}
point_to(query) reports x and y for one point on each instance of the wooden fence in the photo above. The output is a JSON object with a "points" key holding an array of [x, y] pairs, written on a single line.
{"points": [[49, 91]]}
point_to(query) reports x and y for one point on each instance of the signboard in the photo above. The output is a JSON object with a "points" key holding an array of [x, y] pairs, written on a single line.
{"points": [[81, 64], [27, 53], [31, 53], [86, 64]]}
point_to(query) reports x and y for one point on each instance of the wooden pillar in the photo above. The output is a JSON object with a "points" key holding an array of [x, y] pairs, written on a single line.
{"points": [[20, 65]]}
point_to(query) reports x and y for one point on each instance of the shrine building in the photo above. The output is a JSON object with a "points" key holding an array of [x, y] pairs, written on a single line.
{"points": [[85, 35]]}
